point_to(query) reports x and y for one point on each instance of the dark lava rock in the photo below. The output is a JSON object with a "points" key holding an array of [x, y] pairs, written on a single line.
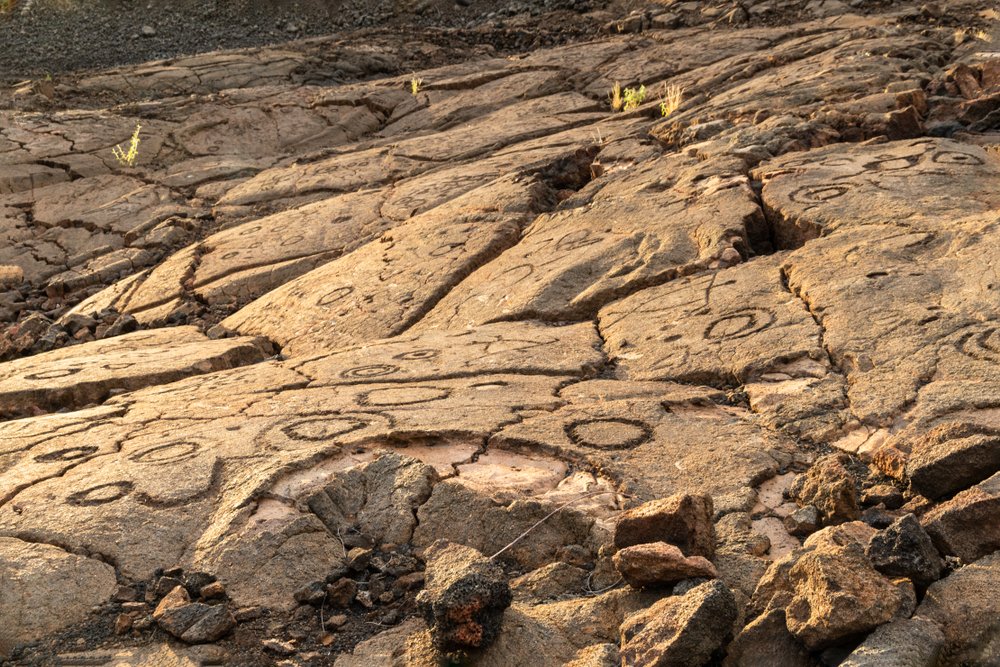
{"points": [[904, 549], [464, 597]]}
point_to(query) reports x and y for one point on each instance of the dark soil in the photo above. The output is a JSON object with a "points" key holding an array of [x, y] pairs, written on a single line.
{"points": [[51, 37]]}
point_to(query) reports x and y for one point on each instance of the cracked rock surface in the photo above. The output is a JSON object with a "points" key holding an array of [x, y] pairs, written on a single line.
{"points": [[343, 372]]}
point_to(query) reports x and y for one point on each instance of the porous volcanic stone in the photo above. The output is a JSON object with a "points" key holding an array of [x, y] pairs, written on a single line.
{"points": [[905, 550], [680, 630], [658, 563], [830, 487], [684, 520], [464, 596]]}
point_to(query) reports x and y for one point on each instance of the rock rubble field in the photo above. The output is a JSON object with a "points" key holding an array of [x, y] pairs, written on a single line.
{"points": [[388, 351]]}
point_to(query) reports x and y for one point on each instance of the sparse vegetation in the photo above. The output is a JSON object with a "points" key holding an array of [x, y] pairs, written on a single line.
{"points": [[670, 99], [128, 158], [616, 97], [7, 6], [415, 84], [633, 97]]}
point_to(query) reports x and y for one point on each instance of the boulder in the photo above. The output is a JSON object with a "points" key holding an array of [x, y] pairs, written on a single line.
{"points": [[966, 606], [968, 525], [766, 641], [549, 581], [905, 642], [837, 595], [952, 457], [464, 597], [831, 488], [684, 520], [905, 550], [659, 563], [680, 631]]}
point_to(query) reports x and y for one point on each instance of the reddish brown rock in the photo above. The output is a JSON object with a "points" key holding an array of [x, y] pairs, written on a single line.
{"points": [[464, 596], [659, 563], [680, 630], [683, 520], [831, 488], [968, 525]]}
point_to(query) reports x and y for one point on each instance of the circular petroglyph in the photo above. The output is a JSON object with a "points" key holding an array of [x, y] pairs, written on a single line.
{"points": [[53, 374], [67, 454], [101, 494], [891, 162], [397, 396], [956, 157], [447, 248], [323, 428], [334, 296], [418, 355], [117, 365], [170, 452], [292, 240], [609, 433], [577, 239], [983, 345], [367, 372], [739, 324], [818, 194]]}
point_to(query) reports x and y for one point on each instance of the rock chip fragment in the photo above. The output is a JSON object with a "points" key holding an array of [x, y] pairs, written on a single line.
{"points": [[464, 597], [192, 622], [680, 631], [659, 563], [684, 520]]}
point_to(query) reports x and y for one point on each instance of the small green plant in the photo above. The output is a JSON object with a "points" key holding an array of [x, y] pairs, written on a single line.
{"points": [[127, 159], [633, 98], [670, 99], [415, 84], [7, 6], [616, 97]]}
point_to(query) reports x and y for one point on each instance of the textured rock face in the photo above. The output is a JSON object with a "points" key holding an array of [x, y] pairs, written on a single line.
{"points": [[321, 326], [966, 606], [659, 563], [464, 597], [683, 520], [46, 589], [680, 630]]}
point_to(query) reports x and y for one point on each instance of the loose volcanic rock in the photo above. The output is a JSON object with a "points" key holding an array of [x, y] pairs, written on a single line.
{"points": [[46, 589], [683, 520], [911, 642], [905, 550], [767, 641], [464, 596], [683, 630], [659, 563], [966, 606], [829, 487], [836, 594], [968, 525]]}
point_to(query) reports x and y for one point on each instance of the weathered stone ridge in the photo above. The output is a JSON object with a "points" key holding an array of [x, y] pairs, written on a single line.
{"points": [[465, 366]]}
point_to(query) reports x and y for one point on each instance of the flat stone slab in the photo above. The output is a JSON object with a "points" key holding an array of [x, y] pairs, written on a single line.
{"points": [[77, 376]]}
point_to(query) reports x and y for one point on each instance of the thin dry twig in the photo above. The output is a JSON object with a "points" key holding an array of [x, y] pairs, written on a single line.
{"points": [[547, 516]]}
